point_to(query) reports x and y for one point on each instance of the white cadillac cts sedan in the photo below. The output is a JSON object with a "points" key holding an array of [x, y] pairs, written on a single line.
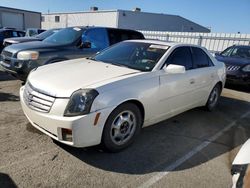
{"points": [[109, 97]]}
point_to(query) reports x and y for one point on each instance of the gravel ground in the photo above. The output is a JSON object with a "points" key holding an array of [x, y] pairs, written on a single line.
{"points": [[29, 158]]}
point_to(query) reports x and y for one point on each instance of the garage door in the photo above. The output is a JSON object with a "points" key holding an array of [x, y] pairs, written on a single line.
{"points": [[10, 19]]}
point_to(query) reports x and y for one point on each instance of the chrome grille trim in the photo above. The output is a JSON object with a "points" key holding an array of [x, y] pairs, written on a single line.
{"points": [[233, 68], [36, 100], [7, 54]]}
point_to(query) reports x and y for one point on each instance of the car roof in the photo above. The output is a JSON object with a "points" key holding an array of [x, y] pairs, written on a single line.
{"points": [[89, 27], [167, 43], [241, 46], [10, 30]]}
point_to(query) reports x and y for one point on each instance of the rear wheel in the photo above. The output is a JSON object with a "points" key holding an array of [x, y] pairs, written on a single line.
{"points": [[121, 128], [213, 98]]}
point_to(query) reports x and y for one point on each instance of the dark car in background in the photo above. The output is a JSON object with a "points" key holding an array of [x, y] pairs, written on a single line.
{"points": [[68, 43], [7, 33], [40, 37], [237, 61], [30, 32]]}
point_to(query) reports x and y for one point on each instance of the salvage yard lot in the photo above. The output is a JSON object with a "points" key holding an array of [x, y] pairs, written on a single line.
{"points": [[194, 149]]}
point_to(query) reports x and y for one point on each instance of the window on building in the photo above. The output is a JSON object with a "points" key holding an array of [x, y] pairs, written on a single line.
{"points": [[57, 18], [43, 19]]}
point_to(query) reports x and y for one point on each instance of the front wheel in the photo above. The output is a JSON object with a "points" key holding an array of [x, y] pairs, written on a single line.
{"points": [[121, 128], [213, 98]]}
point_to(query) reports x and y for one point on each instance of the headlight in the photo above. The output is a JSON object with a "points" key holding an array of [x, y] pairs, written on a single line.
{"points": [[28, 55], [80, 102], [246, 68]]}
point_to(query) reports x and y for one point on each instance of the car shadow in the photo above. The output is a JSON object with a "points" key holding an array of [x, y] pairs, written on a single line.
{"points": [[164, 143], [6, 181], [8, 97], [5, 77], [242, 88]]}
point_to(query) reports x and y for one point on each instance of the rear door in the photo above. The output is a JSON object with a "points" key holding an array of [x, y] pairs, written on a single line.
{"points": [[204, 74]]}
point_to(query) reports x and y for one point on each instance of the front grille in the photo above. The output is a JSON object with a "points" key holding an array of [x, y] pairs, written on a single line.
{"points": [[7, 54], [233, 68], [5, 44], [36, 100]]}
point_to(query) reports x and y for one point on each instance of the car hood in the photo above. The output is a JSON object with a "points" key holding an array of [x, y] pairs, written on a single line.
{"points": [[233, 60], [21, 39], [29, 46], [243, 156], [63, 78]]}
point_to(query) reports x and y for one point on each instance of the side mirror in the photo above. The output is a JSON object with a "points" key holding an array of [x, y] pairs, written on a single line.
{"points": [[217, 54], [174, 69], [86, 44]]}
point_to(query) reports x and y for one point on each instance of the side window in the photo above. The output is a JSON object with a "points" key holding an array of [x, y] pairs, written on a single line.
{"points": [[200, 58], [114, 36], [7, 34], [135, 35], [21, 34], [227, 51], [181, 56], [14, 34], [97, 38]]}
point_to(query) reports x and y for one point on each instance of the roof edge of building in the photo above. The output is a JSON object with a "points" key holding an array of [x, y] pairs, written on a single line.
{"points": [[11, 8], [79, 12]]}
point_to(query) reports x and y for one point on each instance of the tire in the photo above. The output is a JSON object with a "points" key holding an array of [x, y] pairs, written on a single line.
{"points": [[121, 127], [213, 98]]}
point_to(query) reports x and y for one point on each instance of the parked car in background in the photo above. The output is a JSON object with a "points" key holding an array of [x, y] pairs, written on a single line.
{"points": [[30, 32], [68, 43], [109, 97], [7, 33], [241, 167], [237, 61], [39, 37]]}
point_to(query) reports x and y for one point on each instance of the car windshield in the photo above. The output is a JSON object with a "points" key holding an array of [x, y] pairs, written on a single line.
{"points": [[65, 36], [47, 33], [134, 55], [243, 52]]}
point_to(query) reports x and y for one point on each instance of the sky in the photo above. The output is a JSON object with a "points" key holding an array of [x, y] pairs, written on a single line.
{"points": [[227, 16]]}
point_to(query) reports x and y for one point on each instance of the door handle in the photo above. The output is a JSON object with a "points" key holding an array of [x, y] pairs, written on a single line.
{"points": [[192, 81]]}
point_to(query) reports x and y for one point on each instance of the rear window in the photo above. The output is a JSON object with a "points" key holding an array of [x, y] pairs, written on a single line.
{"points": [[118, 35]]}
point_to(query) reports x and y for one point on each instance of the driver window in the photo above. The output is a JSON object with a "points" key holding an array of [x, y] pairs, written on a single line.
{"points": [[181, 56]]}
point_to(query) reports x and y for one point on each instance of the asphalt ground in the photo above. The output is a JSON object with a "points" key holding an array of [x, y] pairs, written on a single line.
{"points": [[193, 149]]}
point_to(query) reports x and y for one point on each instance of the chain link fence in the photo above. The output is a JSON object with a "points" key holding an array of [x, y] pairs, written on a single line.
{"points": [[214, 42]]}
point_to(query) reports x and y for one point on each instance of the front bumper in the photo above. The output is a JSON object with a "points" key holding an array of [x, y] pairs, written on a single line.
{"points": [[84, 132], [238, 77], [17, 68]]}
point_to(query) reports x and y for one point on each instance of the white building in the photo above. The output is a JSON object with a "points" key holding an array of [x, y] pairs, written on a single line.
{"points": [[19, 19], [136, 20]]}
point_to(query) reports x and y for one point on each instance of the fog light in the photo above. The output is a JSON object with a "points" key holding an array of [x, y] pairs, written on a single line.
{"points": [[67, 135], [18, 64]]}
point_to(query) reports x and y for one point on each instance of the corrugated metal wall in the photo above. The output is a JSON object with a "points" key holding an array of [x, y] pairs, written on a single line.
{"points": [[214, 42], [19, 19]]}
